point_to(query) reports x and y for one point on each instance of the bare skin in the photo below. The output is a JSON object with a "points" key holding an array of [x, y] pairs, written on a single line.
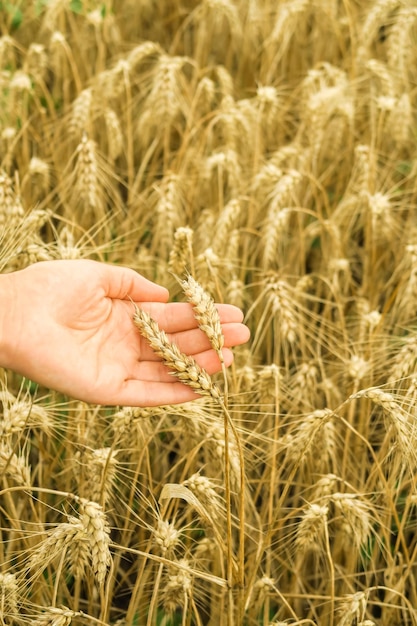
{"points": [[67, 325]]}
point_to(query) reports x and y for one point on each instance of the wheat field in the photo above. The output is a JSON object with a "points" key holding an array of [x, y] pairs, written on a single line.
{"points": [[255, 152]]}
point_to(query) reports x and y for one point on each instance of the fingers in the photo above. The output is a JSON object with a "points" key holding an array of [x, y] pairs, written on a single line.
{"points": [[155, 385], [125, 284], [138, 393], [179, 316], [152, 370], [194, 341]]}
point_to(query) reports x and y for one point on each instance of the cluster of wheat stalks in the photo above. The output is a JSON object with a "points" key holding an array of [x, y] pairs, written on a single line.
{"points": [[267, 150]]}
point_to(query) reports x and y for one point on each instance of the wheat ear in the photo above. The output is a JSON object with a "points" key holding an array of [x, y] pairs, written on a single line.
{"points": [[184, 367], [205, 312]]}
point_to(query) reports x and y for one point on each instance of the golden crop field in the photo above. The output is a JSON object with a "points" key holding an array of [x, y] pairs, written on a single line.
{"points": [[265, 149]]}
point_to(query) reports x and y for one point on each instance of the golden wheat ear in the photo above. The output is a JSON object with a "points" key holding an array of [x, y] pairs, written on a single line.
{"points": [[184, 367], [205, 312]]}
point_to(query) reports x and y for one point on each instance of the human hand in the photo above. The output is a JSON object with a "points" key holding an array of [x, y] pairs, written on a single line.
{"points": [[67, 325]]}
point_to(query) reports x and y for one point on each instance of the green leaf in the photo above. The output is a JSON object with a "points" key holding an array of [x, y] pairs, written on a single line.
{"points": [[39, 6], [76, 6], [15, 14]]}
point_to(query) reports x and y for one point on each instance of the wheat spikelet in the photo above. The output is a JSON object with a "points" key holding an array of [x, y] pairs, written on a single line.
{"points": [[311, 528], [400, 44], [9, 594], [267, 103], [62, 539], [361, 171], [180, 256], [66, 246], [169, 210], [405, 360], [376, 17], [303, 386], [273, 232], [265, 180], [383, 74], [166, 537], [182, 366], [314, 439], [11, 209], [321, 108], [204, 234], [101, 465], [204, 489], [205, 96], [36, 61], [53, 13], [143, 54], [398, 419], [205, 312], [352, 609], [8, 50], [400, 120], [177, 587], [286, 21], [80, 121], [86, 175], [113, 83], [235, 292], [166, 100], [282, 306], [382, 219], [19, 84], [217, 31], [227, 220], [97, 532], [14, 466], [114, 133], [53, 616], [222, 173], [40, 172], [127, 417], [18, 414], [355, 521], [325, 486], [270, 380], [223, 80], [234, 124], [358, 368]]}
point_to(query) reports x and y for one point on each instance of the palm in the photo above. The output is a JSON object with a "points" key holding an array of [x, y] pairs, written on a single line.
{"points": [[80, 338]]}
